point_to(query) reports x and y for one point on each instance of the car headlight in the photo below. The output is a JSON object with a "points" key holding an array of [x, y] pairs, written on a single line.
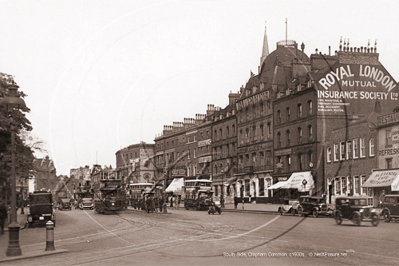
{"points": [[317, 208]]}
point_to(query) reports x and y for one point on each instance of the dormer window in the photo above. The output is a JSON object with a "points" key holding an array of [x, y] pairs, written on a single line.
{"points": [[298, 87]]}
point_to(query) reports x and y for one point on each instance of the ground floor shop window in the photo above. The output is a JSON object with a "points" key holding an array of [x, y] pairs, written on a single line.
{"points": [[344, 185], [261, 187], [357, 185], [338, 186], [247, 188], [364, 189]]}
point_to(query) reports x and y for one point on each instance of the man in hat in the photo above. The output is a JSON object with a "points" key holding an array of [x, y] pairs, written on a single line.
{"points": [[3, 215]]}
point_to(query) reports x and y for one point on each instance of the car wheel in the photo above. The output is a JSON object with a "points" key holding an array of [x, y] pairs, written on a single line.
{"points": [[375, 220], [293, 211], [338, 218], [315, 214], [300, 211], [357, 219], [387, 216]]}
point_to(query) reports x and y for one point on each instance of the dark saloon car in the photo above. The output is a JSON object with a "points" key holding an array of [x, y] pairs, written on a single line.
{"points": [[356, 209], [65, 204], [390, 207], [311, 205], [40, 208]]}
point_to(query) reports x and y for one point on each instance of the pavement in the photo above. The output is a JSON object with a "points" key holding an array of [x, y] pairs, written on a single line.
{"points": [[252, 208], [21, 219]]}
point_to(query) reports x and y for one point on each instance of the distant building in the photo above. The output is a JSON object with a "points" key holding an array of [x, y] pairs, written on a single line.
{"points": [[44, 174], [134, 164]]}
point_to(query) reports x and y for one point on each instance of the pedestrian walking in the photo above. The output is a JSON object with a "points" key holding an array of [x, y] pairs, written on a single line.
{"points": [[148, 204], [171, 202], [161, 201], [176, 202], [3, 216]]}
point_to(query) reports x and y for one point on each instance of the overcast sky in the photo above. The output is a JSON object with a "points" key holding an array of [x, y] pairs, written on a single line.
{"points": [[102, 75]]}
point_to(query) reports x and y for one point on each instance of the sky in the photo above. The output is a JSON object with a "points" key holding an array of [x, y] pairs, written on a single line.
{"points": [[103, 75]]}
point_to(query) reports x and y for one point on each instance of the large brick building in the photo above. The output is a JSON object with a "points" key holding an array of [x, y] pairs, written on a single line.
{"points": [[224, 150]]}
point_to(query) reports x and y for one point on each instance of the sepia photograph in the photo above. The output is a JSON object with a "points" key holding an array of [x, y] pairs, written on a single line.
{"points": [[199, 132]]}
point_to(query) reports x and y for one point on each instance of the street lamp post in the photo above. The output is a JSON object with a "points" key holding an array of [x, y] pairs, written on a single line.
{"points": [[222, 192], [11, 102]]}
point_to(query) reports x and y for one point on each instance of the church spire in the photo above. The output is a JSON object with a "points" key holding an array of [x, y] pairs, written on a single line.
{"points": [[265, 50]]}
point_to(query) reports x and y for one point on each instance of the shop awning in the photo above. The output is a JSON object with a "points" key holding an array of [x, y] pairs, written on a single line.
{"points": [[176, 185], [278, 185], [303, 181], [384, 178]]}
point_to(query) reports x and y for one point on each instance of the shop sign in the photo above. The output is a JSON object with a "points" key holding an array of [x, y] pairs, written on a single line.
{"points": [[388, 119], [349, 88], [282, 179], [206, 142], [388, 152], [178, 172]]}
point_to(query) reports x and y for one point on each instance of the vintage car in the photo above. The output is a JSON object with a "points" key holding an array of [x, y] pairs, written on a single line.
{"points": [[64, 204], [40, 208], [86, 203], [289, 206], [356, 209], [313, 205], [390, 207]]}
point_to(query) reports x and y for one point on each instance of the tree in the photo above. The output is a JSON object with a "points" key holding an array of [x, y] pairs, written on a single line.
{"points": [[17, 121]]}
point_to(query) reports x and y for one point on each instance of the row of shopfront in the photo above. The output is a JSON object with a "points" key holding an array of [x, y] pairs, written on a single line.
{"points": [[259, 188]]}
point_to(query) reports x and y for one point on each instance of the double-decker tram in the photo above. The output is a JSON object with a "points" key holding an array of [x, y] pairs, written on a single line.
{"points": [[137, 191], [110, 197], [198, 194]]}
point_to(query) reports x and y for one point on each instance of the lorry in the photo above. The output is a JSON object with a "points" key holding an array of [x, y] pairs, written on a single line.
{"points": [[41, 208]]}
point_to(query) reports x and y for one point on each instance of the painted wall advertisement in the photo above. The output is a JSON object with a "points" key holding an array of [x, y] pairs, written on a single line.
{"points": [[353, 89]]}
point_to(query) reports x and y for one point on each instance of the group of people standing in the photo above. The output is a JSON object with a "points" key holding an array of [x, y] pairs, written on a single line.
{"points": [[151, 203], [174, 202]]}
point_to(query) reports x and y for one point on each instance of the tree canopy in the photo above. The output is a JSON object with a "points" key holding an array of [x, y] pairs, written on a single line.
{"points": [[21, 125]]}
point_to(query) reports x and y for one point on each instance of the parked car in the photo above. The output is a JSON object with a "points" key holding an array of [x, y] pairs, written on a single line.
{"points": [[313, 205], [390, 207], [40, 208], [65, 204], [289, 206], [356, 209], [87, 203]]}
